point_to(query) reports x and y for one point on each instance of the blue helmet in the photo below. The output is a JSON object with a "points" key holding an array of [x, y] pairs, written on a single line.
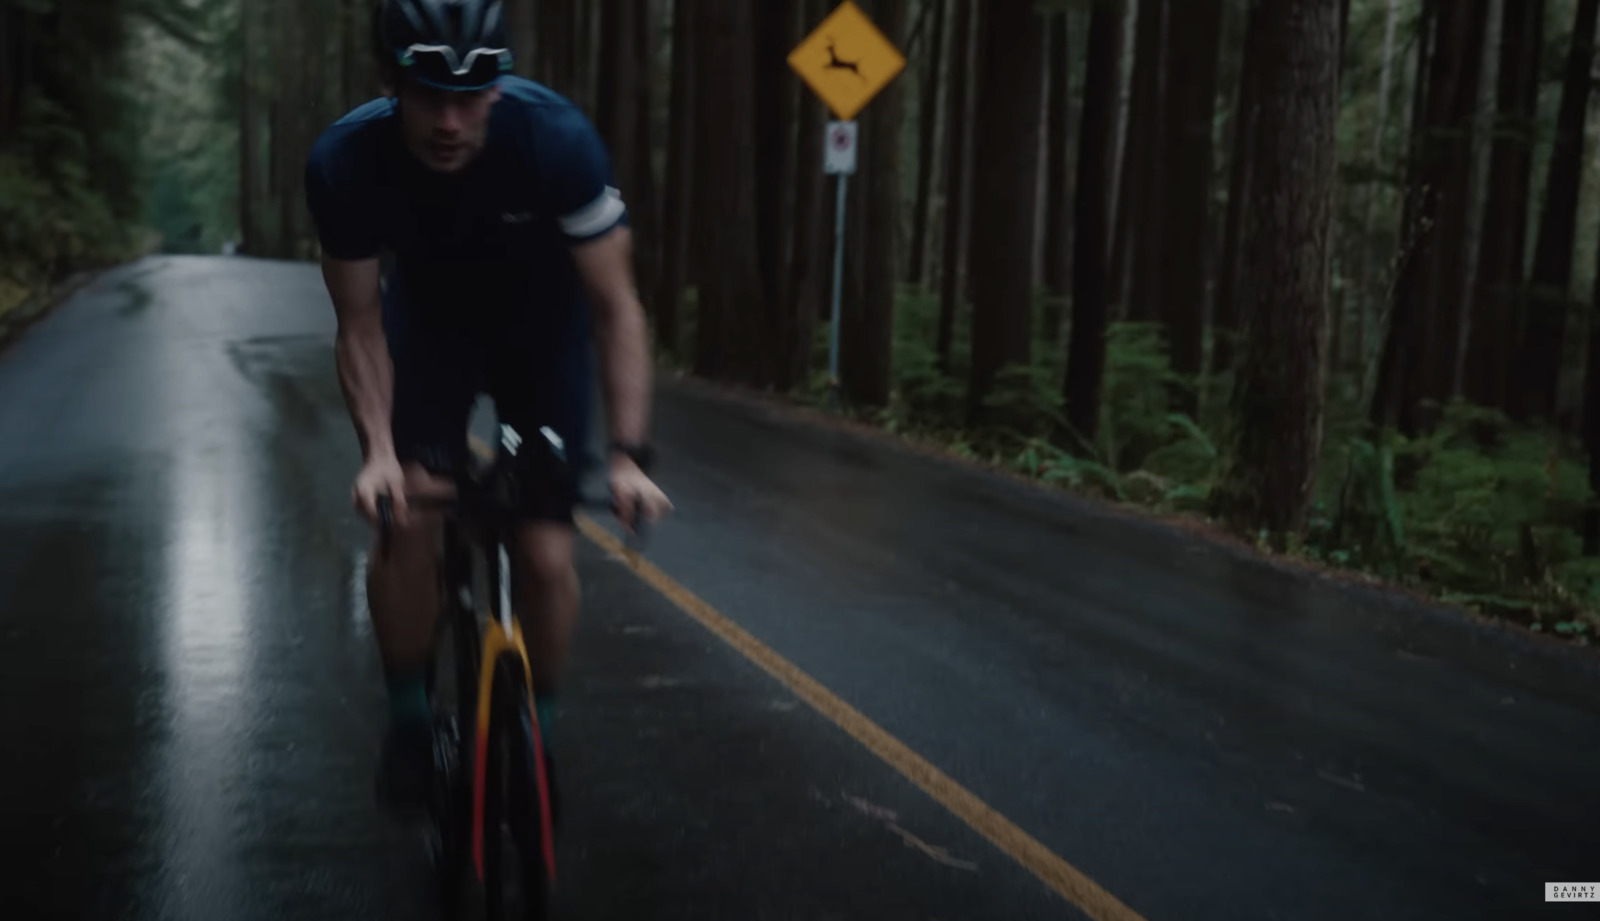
{"points": [[449, 44]]}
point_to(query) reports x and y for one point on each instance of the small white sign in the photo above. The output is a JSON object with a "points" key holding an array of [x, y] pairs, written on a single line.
{"points": [[1572, 892], [839, 151]]}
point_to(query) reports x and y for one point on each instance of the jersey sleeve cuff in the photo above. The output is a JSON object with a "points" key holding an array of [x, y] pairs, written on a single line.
{"points": [[596, 218]]}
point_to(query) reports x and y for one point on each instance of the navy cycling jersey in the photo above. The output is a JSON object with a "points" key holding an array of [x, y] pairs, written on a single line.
{"points": [[492, 236]]}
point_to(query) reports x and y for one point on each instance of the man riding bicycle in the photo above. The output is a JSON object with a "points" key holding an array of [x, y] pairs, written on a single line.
{"points": [[510, 246]]}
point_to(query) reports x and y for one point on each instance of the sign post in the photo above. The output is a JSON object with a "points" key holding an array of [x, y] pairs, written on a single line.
{"points": [[838, 159], [846, 61]]}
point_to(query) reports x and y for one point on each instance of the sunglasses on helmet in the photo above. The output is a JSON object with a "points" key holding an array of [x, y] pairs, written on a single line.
{"points": [[439, 65]]}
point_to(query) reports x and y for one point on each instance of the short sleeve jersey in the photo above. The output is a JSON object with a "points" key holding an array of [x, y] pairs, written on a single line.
{"points": [[494, 236]]}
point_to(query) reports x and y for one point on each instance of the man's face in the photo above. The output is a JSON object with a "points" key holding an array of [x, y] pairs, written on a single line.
{"points": [[445, 129]]}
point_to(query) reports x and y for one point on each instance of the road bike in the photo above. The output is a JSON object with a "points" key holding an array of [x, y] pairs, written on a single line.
{"points": [[491, 807]]}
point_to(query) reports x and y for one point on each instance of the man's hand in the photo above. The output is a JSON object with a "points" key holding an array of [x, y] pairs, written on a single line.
{"points": [[380, 476], [633, 494]]}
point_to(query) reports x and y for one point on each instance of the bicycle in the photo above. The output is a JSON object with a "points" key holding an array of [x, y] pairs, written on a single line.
{"points": [[498, 780]]}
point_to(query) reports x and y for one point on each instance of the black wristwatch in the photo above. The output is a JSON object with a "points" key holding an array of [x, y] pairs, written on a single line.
{"points": [[643, 455]]}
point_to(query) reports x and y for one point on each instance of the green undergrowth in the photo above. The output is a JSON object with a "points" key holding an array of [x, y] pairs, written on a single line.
{"points": [[1480, 513], [54, 218]]}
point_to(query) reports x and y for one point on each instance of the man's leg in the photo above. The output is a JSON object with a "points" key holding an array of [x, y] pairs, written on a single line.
{"points": [[546, 594], [434, 377], [541, 375], [546, 598], [403, 595]]}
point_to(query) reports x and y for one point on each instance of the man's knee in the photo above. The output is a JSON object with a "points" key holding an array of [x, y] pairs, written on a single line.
{"points": [[544, 555]]}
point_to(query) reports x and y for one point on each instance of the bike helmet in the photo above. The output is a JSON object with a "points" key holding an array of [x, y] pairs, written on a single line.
{"points": [[449, 44]]}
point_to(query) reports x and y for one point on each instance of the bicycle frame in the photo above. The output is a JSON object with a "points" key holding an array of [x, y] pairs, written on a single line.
{"points": [[478, 526], [501, 636]]}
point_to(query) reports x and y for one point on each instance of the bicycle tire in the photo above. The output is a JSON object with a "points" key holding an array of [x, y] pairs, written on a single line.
{"points": [[493, 824], [533, 804], [450, 811], [516, 805]]}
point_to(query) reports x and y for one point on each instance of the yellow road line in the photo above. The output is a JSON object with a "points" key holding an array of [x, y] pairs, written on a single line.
{"points": [[1065, 879], [1039, 860]]}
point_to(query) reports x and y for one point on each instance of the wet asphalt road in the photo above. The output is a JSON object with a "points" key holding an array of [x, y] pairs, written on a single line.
{"points": [[192, 701]]}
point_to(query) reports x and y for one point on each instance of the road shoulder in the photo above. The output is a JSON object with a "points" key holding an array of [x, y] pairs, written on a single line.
{"points": [[1415, 624]]}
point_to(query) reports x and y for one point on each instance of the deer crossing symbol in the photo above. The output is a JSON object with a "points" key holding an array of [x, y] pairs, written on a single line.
{"points": [[835, 64]]}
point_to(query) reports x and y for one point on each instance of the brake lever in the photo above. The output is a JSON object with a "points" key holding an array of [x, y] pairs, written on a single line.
{"points": [[633, 541], [637, 541], [385, 525]]}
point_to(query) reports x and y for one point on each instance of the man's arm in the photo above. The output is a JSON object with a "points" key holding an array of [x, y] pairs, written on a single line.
{"points": [[365, 373], [606, 266]]}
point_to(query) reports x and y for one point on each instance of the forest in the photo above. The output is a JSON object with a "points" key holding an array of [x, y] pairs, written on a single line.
{"points": [[1315, 274]]}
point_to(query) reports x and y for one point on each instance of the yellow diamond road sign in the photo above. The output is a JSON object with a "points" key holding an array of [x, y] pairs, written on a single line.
{"points": [[846, 61]]}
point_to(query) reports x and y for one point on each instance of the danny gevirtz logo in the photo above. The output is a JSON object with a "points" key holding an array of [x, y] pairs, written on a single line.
{"points": [[1572, 892]]}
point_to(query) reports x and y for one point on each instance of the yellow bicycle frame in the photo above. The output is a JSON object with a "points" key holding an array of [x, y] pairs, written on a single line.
{"points": [[496, 644]]}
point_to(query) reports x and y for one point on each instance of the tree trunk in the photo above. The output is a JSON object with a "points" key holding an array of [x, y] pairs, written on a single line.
{"points": [[789, 368], [285, 129], [1147, 248], [1538, 368], [522, 26], [590, 52], [1429, 291], [958, 100], [729, 291], [1446, 302], [1139, 150], [1277, 405], [1505, 221], [772, 78], [644, 198], [11, 76], [1002, 214], [794, 19], [1057, 261], [1367, 251], [1232, 285], [1086, 349], [1591, 428], [675, 207], [809, 272], [1391, 398], [555, 34], [617, 93], [249, 143], [866, 335], [927, 132], [354, 56], [1339, 297], [1478, 184], [310, 117], [1126, 74], [1193, 46]]}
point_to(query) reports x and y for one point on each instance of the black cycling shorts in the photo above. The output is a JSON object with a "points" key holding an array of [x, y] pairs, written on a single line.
{"points": [[440, 368]]}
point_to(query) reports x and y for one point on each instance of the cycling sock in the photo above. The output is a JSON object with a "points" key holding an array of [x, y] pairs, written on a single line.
{"points": [[408, 699], [544, 710]]}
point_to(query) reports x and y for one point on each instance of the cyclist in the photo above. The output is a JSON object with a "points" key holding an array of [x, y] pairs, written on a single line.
{"points": [[510, 247]]}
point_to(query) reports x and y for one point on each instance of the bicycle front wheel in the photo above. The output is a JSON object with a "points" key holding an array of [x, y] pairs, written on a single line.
{"points": [[519, 880]]}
